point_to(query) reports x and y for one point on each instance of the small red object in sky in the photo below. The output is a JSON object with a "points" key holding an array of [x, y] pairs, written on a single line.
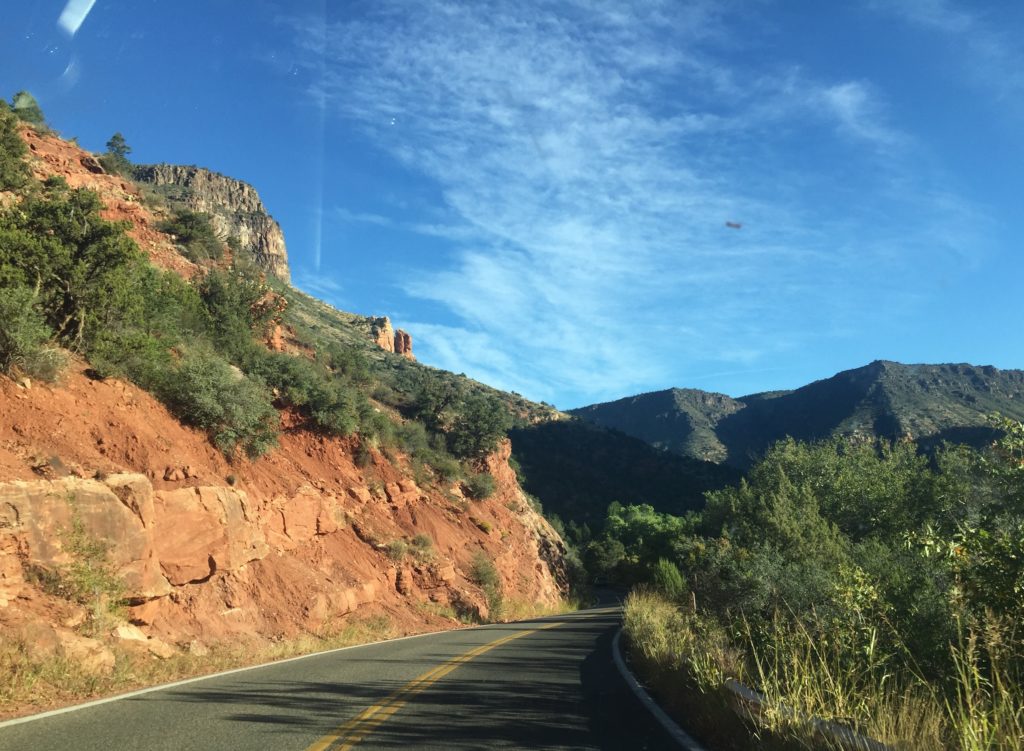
{"points": [[734, 225]]}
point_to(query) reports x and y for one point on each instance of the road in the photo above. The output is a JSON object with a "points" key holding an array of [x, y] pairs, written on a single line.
{"points": [[548, 684]]}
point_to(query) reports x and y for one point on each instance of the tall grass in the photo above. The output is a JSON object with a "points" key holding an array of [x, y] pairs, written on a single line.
{"points": [[812, 686], [986, 710]]}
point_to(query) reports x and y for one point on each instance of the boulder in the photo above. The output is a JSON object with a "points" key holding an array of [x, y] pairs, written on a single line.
{"points": [[85, 652]]}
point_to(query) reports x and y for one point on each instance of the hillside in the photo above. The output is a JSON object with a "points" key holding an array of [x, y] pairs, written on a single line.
{"points": [[195, 456], [928, 403], [577, 469]]}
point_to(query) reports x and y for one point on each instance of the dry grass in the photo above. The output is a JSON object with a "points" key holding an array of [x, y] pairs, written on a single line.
{"points": [[30, 683], [523, 610], [686, 658]]}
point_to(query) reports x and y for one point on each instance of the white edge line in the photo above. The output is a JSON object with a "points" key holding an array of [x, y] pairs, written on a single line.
{"points": [[678, 734], [197, 679]]}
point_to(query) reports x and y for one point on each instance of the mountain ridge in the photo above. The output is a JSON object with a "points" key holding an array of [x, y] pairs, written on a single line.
{"points": [[887, 399]]}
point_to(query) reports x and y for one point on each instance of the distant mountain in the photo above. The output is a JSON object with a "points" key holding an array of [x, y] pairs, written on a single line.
{"points": [[576, 469], [929, 403]]}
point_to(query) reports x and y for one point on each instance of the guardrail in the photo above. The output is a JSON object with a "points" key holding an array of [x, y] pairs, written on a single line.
{"points": [[749, 705], [753, 705]]}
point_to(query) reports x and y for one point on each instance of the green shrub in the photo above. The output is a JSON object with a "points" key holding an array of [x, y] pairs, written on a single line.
{"points": [[204, 391], [14, 171], [481, 423], [194, 234], [233, 301], [396, 550], [330, 404], [57, 242], [24, 336], [87, 578], [422, 547], [667, 579], [484, 574], [115, 160], [481, 486], [27, 109]]}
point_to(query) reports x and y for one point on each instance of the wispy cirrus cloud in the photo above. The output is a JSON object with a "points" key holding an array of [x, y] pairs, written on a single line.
{"points": [[856, 110], [990, 57], [588, 156]]}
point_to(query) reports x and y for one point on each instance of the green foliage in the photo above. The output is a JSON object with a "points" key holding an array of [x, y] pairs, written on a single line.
{"points": [[14, 171], [436, 402], [577, 469], [117, 146], [863, 582], [484, 573], [396, 550], [602, 558], [349, 362], [205, 392], [26, 109], [56, 242], [330, 404], [233, 299], [666, 578], [194, 234], [473, 424], [24, 336], [422, 548], [481, 423], [115, 160], [481, 486]]}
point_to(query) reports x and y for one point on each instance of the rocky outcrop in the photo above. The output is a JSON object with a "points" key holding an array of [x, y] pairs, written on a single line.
{"points": [[234, 207], [390, 340], [403, 344], [382, 333]]}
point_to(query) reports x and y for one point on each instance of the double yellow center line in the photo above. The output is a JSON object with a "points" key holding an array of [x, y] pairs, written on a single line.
{"points": [[348, 734]]}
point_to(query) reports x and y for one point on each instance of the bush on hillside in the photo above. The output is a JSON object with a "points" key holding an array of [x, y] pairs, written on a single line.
{"points": [[485, 574], [56, 241], [481, 486], [27, 109], [330, 404], [115, 160], [204, 391], [232, 299], [194, 234], [481, 422], [24, 337], [14, 172]]}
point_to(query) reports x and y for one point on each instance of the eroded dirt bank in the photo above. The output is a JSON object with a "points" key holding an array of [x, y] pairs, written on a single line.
{"points": [[98, 479]]}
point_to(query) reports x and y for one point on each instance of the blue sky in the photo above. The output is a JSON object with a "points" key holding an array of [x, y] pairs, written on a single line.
{"points": [[539, 191]]}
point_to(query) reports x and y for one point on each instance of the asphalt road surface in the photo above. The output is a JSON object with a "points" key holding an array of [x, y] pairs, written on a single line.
{"points": [[545, 684]]}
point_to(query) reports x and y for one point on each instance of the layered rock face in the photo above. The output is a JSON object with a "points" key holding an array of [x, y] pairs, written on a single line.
{"points": [[207, 552], [235, 209]]}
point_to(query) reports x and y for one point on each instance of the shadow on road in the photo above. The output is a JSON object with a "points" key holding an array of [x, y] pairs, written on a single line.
{"points": [[554, 689]]}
